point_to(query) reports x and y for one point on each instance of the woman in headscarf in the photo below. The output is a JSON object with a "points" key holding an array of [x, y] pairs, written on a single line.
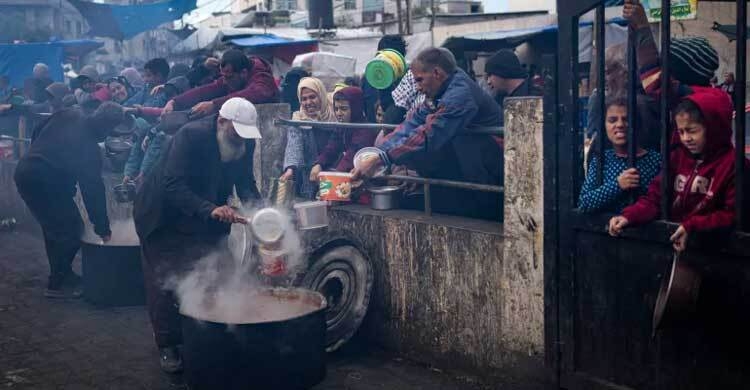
{"points": [[120, 90], [289, 87], [303, 146], [338, 154]]}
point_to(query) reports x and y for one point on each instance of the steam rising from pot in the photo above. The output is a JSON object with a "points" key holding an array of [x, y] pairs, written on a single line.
{"points": [[221, 287]]}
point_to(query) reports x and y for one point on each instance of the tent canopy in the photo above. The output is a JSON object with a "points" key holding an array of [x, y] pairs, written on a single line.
{"points": [[269, 40], [126, 21], [615, 31], [17, 60]]}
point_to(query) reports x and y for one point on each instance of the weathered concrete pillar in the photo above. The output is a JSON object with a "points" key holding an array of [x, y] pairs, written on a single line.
{"points": [[523, 273], [269, 152]]}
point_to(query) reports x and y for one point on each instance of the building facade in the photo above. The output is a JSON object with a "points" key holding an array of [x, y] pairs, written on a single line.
{"points": [[40, 21]]}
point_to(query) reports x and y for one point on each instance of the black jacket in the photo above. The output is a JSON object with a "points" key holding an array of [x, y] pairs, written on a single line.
{"points": [[189, 181], [65, 151], [527, 88]]}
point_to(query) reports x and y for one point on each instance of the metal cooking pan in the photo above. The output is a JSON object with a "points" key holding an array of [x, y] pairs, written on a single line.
{"points": [[678, 294]]}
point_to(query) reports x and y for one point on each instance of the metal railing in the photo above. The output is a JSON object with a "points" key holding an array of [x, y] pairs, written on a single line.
{"points": [[424, 181], [665, 123], [330, 126]]}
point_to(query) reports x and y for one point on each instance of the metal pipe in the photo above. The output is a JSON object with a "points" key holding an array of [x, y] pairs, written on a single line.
{"points": [[497, 131], [444, 183], [739, 107], [16, 139], [601, 93], [427, 199], [665, 120], [633, 82]]}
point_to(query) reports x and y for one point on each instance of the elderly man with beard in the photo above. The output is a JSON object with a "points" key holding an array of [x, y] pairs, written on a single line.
{"points": [[64, 153], [181, 212]]}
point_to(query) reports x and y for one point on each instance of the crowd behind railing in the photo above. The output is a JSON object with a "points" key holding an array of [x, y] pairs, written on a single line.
{"points": [[417, 122]]}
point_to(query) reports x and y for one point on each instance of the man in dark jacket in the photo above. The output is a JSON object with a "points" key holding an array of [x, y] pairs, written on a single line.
{"points": [[507, 78], [430, 141], [240, 77], [181, 213], [65, 152]]}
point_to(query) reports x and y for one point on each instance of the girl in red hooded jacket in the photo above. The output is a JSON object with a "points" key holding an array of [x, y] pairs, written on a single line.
{"points": [[701, 168], [338, 154]]}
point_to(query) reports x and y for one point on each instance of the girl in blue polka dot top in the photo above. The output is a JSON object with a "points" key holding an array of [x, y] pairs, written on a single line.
{"points": [[619, 182]]}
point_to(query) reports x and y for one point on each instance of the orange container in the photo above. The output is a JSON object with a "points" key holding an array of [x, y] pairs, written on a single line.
{"points": [[335, 186]]}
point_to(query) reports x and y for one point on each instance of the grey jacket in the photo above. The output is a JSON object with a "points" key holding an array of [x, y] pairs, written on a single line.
{"points": [[301, 152]]}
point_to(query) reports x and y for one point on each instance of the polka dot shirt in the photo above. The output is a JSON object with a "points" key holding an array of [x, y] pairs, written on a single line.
{"points": [[609, 197]]}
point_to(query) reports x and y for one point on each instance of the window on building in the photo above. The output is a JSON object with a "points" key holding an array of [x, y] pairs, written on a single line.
{"points": [[68, 27], [286, 4], [350, 4], [79, 28]]}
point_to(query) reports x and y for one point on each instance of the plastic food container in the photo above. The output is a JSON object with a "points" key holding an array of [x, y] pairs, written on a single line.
{"points": [[369, 153], [311, 215], [6, 149], [386, 68], [273, 261], [335, 186]]}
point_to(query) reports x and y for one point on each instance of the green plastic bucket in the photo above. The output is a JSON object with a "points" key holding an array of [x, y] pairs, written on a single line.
{"points": [[387, 67]]}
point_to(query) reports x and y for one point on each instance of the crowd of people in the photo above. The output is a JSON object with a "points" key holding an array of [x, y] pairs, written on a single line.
{"points": [[185, 167], [185, 176]]}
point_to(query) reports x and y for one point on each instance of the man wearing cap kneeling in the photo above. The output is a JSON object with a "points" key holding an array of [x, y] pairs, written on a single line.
{"points": [[181, 212]]}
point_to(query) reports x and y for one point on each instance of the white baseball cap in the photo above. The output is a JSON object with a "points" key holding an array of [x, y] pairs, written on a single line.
{"points": [[243, 115]]}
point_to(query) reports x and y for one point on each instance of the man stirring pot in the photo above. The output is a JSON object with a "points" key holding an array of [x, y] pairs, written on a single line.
{"points": [[181, 213]]}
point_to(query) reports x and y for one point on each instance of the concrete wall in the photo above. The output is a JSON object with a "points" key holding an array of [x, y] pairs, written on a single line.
{"points": [[458, 293], [440, 294], [523, 265], [269, 153]]}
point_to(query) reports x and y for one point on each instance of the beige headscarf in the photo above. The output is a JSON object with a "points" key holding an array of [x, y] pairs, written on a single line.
{"points": [[326, 113]]}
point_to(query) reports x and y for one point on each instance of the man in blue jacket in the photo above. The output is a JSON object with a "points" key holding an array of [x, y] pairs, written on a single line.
{"points": [[430, 140]]}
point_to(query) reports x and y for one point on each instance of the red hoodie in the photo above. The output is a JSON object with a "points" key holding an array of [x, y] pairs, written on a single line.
{"points": [[704, 191], [260, 88], [343, 144]]}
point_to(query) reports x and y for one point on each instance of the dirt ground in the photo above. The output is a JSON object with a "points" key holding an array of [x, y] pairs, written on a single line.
{"points": [[70, 344]]}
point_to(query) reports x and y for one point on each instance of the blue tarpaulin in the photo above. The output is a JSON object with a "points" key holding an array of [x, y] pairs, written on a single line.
{"points": [[268, 40], [126, 21], [17, 60]]}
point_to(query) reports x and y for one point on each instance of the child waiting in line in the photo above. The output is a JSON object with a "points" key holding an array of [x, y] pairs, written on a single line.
{"points": [[618, 181], [338, 154], [701, 168]]}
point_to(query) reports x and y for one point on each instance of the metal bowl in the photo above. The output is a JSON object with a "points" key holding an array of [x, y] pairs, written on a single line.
{"points": [[385, 198], [268, 225]]}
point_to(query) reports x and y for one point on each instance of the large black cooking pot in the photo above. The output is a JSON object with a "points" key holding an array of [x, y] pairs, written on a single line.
{"points": [[280, 352], [112, 274]]}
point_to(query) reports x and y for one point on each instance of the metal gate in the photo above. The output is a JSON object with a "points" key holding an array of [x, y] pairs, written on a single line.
{"points": [[599, 290]]}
